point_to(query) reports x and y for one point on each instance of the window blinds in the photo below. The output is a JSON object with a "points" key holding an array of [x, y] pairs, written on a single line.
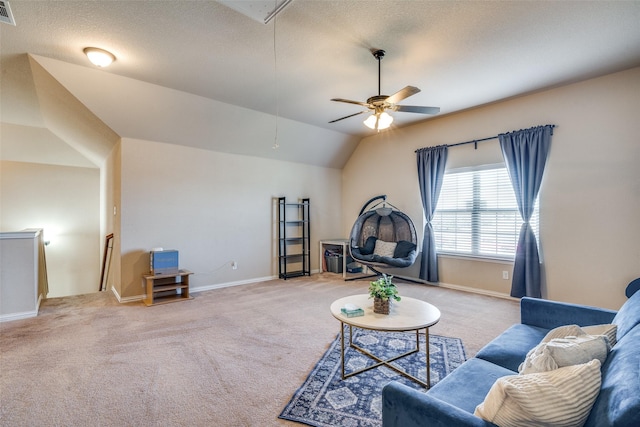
{"points": [[477, 214]]}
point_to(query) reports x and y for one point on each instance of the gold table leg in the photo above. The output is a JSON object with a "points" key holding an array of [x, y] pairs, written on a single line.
{"points": [[386, 362], [428, 357]]}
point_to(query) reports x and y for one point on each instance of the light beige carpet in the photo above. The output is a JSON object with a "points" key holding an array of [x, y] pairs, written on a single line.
{"points": [[228, 357]]}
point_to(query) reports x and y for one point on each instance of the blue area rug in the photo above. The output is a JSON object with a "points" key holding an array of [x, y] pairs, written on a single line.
{"points": [[325, 400]]}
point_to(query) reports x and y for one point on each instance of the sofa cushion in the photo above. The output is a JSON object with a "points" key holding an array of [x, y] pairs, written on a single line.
{"points": [[562, 397], [628, 316], [559, 352], [619, 400], [511, 347], [551, 314], [403, 406], [468, 384]]}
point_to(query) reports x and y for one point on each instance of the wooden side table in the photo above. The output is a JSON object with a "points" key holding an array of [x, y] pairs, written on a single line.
{"points": [[165, 288]]}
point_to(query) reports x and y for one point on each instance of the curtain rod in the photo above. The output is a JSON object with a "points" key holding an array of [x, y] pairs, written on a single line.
{"points": [[475, 141]]}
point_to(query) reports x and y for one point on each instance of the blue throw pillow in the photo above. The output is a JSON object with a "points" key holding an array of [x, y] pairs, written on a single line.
{"points": [[369, 246], [403, 249]]}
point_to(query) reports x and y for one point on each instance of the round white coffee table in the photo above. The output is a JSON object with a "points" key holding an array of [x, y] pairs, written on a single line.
{"points": [[407, 315]]}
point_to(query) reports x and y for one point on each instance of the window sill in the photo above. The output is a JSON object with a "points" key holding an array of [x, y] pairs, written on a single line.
{"points": [[494, 260]]}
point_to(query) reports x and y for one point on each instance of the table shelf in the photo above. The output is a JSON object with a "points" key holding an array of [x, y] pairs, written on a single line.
{"points": [[165, 288]]}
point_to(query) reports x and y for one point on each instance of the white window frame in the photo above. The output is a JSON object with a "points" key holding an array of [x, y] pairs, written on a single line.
{"points": [[474, 242]]}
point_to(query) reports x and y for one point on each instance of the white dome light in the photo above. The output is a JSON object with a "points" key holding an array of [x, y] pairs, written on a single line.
{"points": [[99, 57]]}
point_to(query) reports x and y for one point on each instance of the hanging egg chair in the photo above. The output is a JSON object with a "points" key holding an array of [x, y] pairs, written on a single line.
{"points": [[383, 237]]}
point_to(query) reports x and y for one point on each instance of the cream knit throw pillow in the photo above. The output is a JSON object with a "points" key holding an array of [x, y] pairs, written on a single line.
{"points": [[562, 397]]}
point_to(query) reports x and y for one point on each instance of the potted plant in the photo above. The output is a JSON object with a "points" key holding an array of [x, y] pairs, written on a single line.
{"points": [[382, 291]]}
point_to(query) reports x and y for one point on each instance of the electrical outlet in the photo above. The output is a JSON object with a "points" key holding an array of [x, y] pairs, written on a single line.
{"points": [[234, 265], [505, 275]]}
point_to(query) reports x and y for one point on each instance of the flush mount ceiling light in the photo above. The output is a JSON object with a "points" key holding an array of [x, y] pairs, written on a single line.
{"points": [[99, 57]]}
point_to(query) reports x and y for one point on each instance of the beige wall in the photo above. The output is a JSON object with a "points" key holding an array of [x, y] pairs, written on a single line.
{"points": [[226, 199], [109, 207], [64, 202], [590, 197], [214, 208]]}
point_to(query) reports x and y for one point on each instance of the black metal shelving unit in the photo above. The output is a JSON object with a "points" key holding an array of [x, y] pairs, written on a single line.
{"points": [[294, 231]]}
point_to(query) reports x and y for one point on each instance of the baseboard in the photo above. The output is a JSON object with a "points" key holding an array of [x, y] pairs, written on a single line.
{"points": [[229, 284], [23, 314], [267, 278], [460, 288], [193, 289], [476, 291], [18, 316], [127, 299]]}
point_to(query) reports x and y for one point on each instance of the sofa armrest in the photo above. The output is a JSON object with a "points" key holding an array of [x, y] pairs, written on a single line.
{"points": [[403, 406], [551, 314]]}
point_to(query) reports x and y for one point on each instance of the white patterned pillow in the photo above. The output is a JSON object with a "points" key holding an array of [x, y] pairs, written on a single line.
{"points": [[568, 351], [562, 397], [562, 332], [608, 330], [385, 248]]}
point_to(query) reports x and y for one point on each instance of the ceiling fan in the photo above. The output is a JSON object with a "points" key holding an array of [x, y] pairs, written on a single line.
{"points": [[377, 104]]}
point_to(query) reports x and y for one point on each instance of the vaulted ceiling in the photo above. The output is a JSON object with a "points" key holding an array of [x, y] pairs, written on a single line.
{"points": [[200, 73]]}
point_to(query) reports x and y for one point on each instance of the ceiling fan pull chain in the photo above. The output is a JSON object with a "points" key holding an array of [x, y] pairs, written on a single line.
{"points": [[276, 145]]}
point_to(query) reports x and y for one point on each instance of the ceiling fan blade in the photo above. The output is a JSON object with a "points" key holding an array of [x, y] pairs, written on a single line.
{"points": [[402, 94], [346, 117], [416, 109], [348, 101]]}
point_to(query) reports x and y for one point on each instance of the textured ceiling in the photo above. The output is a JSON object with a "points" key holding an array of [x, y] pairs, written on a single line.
{"points": [[461, 54]]}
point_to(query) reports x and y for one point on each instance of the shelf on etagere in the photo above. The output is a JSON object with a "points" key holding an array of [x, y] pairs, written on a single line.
{"points": [[294, 257]]}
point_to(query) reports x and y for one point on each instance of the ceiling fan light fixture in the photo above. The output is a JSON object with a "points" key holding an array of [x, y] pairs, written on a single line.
{"points": [[99, 57], [370, 121], [377, 104], [379, 121], [384, 121]]}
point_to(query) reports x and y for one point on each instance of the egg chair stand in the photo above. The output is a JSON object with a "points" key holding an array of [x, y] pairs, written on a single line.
{"points": [[383, 237]]}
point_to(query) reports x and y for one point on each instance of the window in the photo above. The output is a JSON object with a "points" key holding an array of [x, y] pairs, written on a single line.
{"points": [[477, 214]]}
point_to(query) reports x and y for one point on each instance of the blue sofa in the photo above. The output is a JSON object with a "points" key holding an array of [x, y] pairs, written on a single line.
{"points": [[452, 401]]}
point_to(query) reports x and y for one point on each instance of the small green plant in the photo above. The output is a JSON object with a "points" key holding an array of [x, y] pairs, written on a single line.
{"points": [[384, 289]]}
